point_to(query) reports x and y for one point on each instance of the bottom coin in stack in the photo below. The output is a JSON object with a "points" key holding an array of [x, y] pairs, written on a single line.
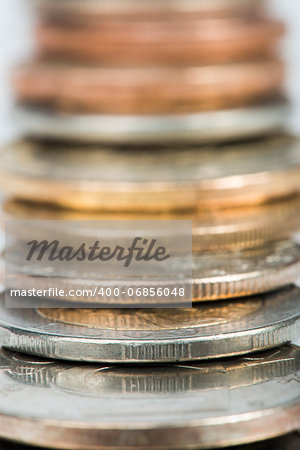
{"points": [[207, 330], [287, 442], [195, 405]]}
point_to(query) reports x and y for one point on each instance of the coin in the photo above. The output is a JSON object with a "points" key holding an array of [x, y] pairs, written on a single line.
{"points": [[163, 335], [102, 90], [133, 7], [212, 126], [214, 276], [166, 39], [175, 406], [234, 228], [289, 442], [147, 179]]}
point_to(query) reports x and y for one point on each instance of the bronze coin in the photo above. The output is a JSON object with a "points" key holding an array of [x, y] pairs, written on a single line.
{"points": [[167, 40], [147, 91], [94, 9]]}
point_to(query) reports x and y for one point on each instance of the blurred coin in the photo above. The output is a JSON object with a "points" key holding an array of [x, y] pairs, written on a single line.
{"points": [[137, 91], [153, 335], [214, 276], [175, 406], [233, 228], [167, 40], [149, 7], [212, 126], [147, 179]]}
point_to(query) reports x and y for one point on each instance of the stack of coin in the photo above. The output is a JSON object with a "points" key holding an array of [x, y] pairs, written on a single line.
{"points": [[122, 71], [148, 110]]}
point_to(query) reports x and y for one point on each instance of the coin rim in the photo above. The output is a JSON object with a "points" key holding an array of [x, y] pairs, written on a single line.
{"points": [[163, 347], [212, 126]]}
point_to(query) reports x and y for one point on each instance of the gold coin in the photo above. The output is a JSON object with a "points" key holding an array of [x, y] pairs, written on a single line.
{"points": [[147, 179], [233, 228]]}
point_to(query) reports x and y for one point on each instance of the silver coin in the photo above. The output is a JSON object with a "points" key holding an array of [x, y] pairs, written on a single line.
{"points": [[199, 405], [154, 335], [214, 126], [214, 276]]}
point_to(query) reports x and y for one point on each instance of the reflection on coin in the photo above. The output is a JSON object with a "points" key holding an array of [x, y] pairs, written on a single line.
{"points": [[213, 126], [237, 228], [166, 39], [102, 90], [214, 276], [202, 332], [153, 180], [175, 406], [152, 320]]}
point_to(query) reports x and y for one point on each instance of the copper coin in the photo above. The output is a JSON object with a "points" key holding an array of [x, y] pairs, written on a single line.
{"points": [[168, 40], [152, 179], [149, 8], [233, 228], [147, 91]]}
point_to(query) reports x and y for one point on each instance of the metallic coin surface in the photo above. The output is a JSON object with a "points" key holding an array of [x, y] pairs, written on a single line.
{"points": [[234, 228], [132, 7], [162, 335], [101, 90], [166, 40], [212, 126], [288, 442], [215, 276], [198, 405], [147, 179]]}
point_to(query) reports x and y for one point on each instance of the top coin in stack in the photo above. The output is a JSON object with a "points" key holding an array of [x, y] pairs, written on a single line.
{"points": [[172, 33], [151, 74]]}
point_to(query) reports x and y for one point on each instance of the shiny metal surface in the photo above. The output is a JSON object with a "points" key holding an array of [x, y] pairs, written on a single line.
{"points": [[213, 126], [148, 179], [234, 228], [148, 335], [215, 276], [198, 405]]}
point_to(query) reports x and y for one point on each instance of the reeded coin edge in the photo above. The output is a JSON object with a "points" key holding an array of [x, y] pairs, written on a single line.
{"points": [[70, 347]]}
